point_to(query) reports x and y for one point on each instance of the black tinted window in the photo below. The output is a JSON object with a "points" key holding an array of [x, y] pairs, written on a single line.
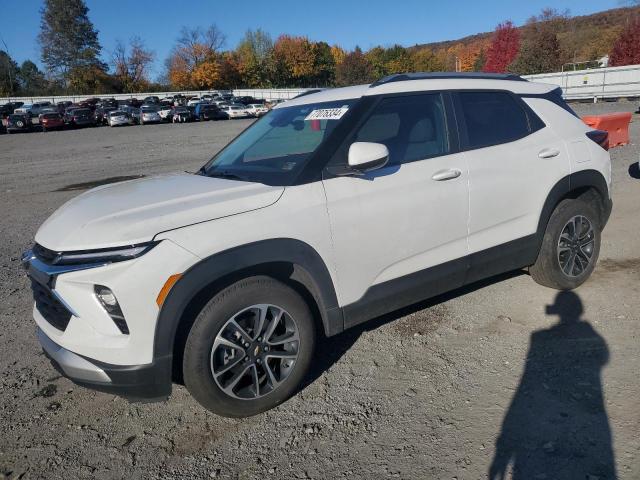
{"points": [[412, 127], [492, 118]]}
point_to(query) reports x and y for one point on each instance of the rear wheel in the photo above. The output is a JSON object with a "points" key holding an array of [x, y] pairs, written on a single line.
{"points": [[570, 246], [249, 348]]}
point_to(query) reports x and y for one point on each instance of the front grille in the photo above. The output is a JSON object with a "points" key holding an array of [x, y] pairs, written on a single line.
{"points": [[49, 307], [44, 254]]}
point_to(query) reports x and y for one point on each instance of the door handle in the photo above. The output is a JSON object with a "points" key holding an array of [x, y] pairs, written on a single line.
{"points": [[448, 174], [548, 153]]}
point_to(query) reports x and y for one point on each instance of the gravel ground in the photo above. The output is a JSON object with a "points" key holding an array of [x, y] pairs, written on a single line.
{"points": [[423, 393]]}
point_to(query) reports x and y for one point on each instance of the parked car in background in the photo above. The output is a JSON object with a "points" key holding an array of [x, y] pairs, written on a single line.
{"points": [[101, 114], [9, 108], [151, 99], [149, 114], [209, 111], [193, 101], [245, 100], [18, 122], [274, 102], [165, 112], [181, 114], [134, 113], [118, 118], [257, 109], [82, 117], [62, 106], [33, 109], [51, 121], [236, 111]]}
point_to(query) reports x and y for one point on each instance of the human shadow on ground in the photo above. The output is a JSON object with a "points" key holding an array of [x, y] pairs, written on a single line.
{"points": [[557, 426]]}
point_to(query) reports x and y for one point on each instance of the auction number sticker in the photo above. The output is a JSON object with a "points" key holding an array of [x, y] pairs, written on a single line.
{"points": [[327, 114]]}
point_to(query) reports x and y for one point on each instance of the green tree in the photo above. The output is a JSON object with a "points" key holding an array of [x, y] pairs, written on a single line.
{"points": [[424, 60], [8, 75], [68, 39], [377, 59], [324, 65], [32, 80], [254, 57], [479, 62], [397, 59], [539, 53]]}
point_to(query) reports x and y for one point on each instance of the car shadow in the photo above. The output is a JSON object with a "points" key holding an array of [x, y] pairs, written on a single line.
{"points": [[330, 350], [634, 171], [556, 425]]}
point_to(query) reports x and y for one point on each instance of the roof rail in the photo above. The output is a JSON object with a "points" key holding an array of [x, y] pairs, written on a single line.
{"points": [[401, 77]]}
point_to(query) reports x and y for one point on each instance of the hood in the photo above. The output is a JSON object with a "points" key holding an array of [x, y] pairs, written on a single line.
{"points": [[135, 211]]}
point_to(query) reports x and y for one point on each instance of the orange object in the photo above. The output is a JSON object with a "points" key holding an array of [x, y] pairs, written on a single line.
{"points": [[616, 124], [166, 288]]}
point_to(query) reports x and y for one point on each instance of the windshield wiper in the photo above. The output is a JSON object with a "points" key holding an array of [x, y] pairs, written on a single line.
{"points": [[227, 175]]}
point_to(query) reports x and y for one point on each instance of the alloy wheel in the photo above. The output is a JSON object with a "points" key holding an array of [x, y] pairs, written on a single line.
{"points": [[255, 351], [576, 246]]}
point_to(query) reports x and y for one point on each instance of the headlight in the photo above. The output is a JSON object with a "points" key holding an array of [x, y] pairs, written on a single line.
{"points": [[104, 255]]}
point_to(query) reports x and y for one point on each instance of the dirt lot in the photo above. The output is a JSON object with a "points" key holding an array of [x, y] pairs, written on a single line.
{"points": [[423, 393]]}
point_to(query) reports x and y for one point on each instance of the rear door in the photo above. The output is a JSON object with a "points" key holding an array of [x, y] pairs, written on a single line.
{"points": [[514, 161], [392, 225]]}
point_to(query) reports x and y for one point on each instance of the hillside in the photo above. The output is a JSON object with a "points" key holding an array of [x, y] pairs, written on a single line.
{"points": [[581, 38]]}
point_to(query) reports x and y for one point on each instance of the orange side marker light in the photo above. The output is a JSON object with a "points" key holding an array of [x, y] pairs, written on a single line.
{"points": [[166, 288]]}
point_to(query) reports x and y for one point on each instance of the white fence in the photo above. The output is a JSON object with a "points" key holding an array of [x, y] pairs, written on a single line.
{"points": [[265, 93], [597, 83]]}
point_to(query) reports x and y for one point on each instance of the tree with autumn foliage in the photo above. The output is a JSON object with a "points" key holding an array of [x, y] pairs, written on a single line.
{"points": [[294, 61], [626, 49], [354, 69], [194, 60], [254, 60], [131, 64], [504, 48]]}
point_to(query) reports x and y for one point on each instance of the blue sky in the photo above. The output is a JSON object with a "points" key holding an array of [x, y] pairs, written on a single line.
{"points": [[346, 22]]}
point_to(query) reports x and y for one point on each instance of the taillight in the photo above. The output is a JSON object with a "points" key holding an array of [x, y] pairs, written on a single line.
{"points": [[601, 137]]}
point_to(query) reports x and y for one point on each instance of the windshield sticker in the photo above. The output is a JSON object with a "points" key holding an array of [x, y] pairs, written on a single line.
{"points": [[327, 114]]}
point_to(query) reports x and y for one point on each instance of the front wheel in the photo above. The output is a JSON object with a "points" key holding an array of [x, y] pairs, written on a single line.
{"points": [[570, 246], [249, 348]]}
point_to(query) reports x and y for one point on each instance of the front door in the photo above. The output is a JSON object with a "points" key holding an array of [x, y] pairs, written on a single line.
{"points": [[398, 230]]}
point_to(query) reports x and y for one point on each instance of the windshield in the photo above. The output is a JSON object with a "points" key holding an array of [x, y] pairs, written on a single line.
{"points": [[275, 148]]}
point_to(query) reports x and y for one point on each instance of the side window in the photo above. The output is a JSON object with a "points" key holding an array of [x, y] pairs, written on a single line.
{"points": [[492, 118], [412, 127]]}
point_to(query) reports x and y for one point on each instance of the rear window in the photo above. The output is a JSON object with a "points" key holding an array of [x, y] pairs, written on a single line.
{"points": [[492, 118], [50, 115], [82, 111]]}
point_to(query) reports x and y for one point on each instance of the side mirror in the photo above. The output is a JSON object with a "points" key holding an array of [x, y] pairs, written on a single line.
{"points": [[367, 156]]}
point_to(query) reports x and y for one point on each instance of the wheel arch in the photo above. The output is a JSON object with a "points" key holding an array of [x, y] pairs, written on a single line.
{"points": [[588, 184], [292, 261]]}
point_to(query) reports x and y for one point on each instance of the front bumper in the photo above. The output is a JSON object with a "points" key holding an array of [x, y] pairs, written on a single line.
{"points": [[134, 382]]}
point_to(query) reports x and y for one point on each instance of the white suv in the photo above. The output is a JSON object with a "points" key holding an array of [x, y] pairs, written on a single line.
{"points": [[332, 209]]}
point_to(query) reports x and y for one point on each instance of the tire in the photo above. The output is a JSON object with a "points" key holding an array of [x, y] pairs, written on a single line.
{"points": [[200, 356], [553, 264]]}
